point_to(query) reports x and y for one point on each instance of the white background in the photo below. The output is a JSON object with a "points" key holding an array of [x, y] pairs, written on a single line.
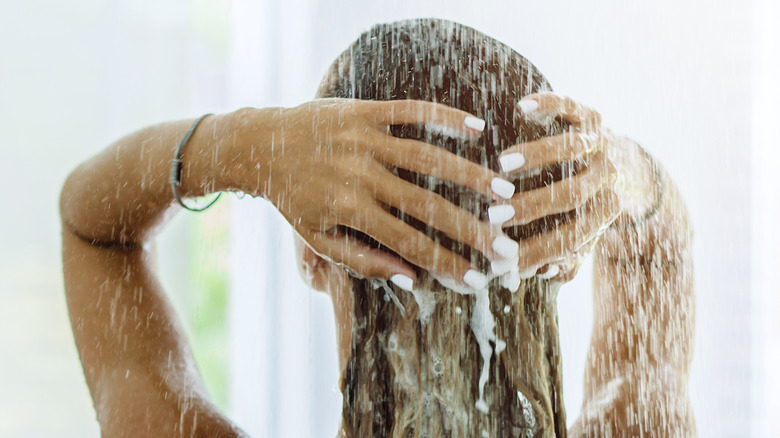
{"points": [[694, 82]]}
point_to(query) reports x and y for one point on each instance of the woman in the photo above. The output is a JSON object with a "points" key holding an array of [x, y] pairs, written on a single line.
{"points": [[463, 340]]}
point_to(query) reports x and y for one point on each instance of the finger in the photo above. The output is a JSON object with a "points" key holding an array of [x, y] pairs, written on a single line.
{"points": [[433, 115], [549, 271], [417, 248], [568, 270], [570, 265], [360, 258], [434, 210], [570, 236], [427, 159], [564, 195], [569, 146], [546, 104], [562, 271]]}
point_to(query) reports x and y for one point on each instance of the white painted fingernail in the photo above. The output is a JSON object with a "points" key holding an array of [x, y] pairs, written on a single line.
{"points": [[511, 281], [475, 123], [551, 272], [505, 247], [498, 214], [502, 188], [501, 267], [475, 279], [528, 273], [513, 161], [403, 282], [528, 105]]}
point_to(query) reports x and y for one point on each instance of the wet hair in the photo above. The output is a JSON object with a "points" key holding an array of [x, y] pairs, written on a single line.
{"points": [[409, 376]]}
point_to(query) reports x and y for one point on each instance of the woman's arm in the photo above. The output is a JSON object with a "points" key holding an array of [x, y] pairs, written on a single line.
{"points": [[636, 376], [640, 353], [136, 361], [322, 164]]}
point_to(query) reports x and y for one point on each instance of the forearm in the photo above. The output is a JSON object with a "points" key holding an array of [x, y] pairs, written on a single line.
{"points": [[643, 285], [642, 341], [123, 193]]}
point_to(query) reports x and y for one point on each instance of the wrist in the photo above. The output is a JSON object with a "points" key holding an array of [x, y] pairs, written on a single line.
{"points": [[253, 136], [203, 164], [225, 153], [637, 185]]}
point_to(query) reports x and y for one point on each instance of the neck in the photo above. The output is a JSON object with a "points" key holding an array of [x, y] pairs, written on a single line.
{"points": [[415, 364]]}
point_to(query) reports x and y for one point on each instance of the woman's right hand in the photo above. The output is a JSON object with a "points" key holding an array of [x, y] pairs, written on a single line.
{"points": [[329, 164], [590, 193]]}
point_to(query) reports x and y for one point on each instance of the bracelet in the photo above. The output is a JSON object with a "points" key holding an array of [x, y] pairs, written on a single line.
{"points": [[659, 195], [175, 179]]}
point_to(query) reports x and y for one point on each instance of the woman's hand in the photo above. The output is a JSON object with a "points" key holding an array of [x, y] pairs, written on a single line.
{"points": [[589, 194], [329, 165]]}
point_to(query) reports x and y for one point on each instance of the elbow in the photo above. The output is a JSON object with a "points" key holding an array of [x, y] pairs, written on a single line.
{"points": [[78, 215], [72, 200], [68, 199]]}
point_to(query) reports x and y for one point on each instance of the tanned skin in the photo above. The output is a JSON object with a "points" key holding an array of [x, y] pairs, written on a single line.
{"points": [[321, 164], [138, 366]]}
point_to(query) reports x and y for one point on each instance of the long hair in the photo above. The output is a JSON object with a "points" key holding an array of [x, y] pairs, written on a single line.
{"points": [[415, 364]]}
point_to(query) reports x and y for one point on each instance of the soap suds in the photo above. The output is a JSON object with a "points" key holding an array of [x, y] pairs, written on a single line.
{"points": [[482, 325], [426, 301], [482, 321], [380, 283]]}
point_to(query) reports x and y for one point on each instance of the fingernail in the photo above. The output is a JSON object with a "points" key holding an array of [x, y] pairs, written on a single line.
{"points": [[528, 273], [511, 281], [403, 282], [475, 279], [502, 188], [474, 123], [498, 214], [551, 272], [528, 105], [501, 267], [506, 247], [510, 162]]}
